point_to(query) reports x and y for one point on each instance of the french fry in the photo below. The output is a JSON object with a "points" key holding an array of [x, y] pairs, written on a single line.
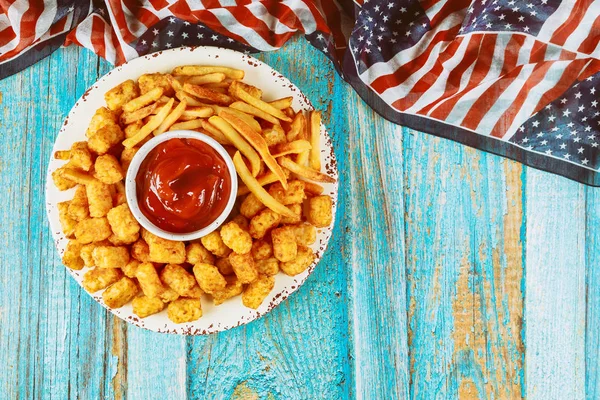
{"points": [[237, 91], [197, 112], [289, 112], [181, 95], [238, 141], [78, 176], [141, 113], [296, 126], [214, 77], [282, 103], [248, 119], [258, 142], [187, 125], [248, 109], [263, 180], [303, 171], [313, 188], [171, 118], [175, 84], [154, 122], [207, 69], [294, 147], [224, 84], [207, 94], [215, 133], [143, 100], [315, 139], [62, 154], [257, 189], [253, 90], [302, 158]]}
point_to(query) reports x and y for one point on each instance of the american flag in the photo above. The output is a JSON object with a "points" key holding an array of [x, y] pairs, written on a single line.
{"points": [[516, 78]]}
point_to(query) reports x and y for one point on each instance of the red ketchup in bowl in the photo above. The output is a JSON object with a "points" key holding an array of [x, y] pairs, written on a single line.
{"points": [[183, 185]]}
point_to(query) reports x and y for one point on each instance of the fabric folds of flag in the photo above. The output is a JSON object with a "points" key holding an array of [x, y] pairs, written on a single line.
{"points": [[515, 78]]}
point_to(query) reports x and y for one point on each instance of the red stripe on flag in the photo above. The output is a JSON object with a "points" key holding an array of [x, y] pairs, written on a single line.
{"points": [[147, 17], [429, 78], [6, 35], [427, 4], [592, 68], [566, 80], [449, 7], [333, 15], [562, 33], [245, 17], [538, 52], [211, 4], [59, 26], [591, 41], [97, 36], [158, 4], [26, 31], [116, 7]]}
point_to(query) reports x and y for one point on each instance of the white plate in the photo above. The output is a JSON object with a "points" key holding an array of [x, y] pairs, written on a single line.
{"points": [[274, 85]]}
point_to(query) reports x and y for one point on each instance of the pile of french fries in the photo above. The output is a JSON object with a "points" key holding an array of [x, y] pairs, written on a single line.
{"points": [[276, 152]]}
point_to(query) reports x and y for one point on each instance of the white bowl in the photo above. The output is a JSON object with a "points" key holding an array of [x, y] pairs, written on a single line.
{"points": [[131, 192]]}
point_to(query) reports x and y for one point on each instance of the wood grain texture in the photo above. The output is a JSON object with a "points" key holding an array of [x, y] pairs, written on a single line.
{"points": [[592, 331]]}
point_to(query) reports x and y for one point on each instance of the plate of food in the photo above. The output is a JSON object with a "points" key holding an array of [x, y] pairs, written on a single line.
{"points": [[191, 191]]}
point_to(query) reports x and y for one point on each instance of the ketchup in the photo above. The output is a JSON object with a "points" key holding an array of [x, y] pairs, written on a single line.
{"points": [[183, 185]]}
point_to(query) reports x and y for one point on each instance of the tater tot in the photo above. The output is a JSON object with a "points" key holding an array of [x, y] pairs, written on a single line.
{"points": [[320, 211], [306, 234], [121, 94], [100, 278], [215, 245], [67, 223], [241, 221], [149, 281], [284, 243], [168, 295], [101, 117], [209, 278], [107, 169], [144, 306], [269, 267], [147, 82], [261, 249], [133, 128], [224, 266], [184, 310], [99, 198], [251, 206], [243, 267], [120, 293], [303, 260], [105, 138], [233, 288], [72, 255], [236, 238], [264, 221], [130, 268], [178, 279], [122, 222], [164, 251], [194, 293], [79, 207], [80, 156], [297, 210], [256, 291], [120, 241], [197, 253], [110, 256], [293, 195], [126, 157], [92, 230], [140, 251], [60, 181]]}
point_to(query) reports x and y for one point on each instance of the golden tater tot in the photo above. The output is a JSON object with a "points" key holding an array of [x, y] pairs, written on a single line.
{"points": [[72, 255], [266, 220], [122, 222], [243, 267], [214, 243], [194, 293], [209, 278], [140, 251], [261, 249], [184, 310], [130, 268], [68, 224], [297, 210], [293, 195], [105, 138], [100, 278], [126, 157], [306, 234], [197, 253], [101, 117], [164, 251], [110, 256], [178, 279], [99, 198], [233, 288], [79, 207], [149, 281], [256, 291], [121, 94], [284, 243], [241, 221], [147, 82], [269, 267], [60, 181], [236, 238], [168, 295], [251, 206], [120, 241], [132, 129], [144, 306], [120, 293], [80, 156], [92, 230], [320, 211], [304, 258], [224, 266], [107, 169]]}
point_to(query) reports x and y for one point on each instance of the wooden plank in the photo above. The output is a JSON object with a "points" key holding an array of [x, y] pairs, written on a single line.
{"points": [[464, 214], [592, 333], [555, 287]]}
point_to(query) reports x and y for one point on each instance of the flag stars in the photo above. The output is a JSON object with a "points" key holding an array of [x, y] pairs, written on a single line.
{"points": [[200, 36], [171, 20], [563, 101], [170, 33], [488, 25], [320, 37], [144, 42], [535, 124], [376, 8], [186, 23], [566, 113], [544, 142], [588, 128], [169, 45], [526, 29], [71, 9], [390, 5], [594, 144], [563, 146], [549, 152], [508, 26], [184, 35], [525, 140], [593, 90], [567, 156], [580, 150], [154, 44], [551, 118], [155, 31], [581, 108], [577, 139], [214, 37], [402, 10], [533, 13], [501, 17], [578, 95], [585, 161], [230, 40], [521, 18]]}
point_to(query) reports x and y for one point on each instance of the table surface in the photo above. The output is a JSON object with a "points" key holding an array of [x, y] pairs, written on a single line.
{"points": [[451, 273]]}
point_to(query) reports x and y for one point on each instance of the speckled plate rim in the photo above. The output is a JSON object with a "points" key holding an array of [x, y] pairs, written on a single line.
{"points": [[232, 313]]}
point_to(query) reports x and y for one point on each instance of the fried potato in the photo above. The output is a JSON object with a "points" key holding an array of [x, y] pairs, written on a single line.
{"points": [[174, 83], [243, 267], [284, 244], [238, 141], [207, 94], [78, 206], [208, 69], [100, 278], [126, 157], [197, 253], [105, 138], [99, 198], [80, 156], [257, 291], [197, 112], [312, 188], [120, 293], [144, 306], [140, 251], [224, 266], [306, 234], [178, 279], [269, 266], [297, 210], [294, 194], [274, 136], [295, 147], [248, 109], [320, 211], [86, 254], [143, 100], [92, 230], [282, 103], [214, 243], [67, 223], [149, 281], [262, 180], [168, 295], [296, 126], [236, 238], [263, 222], [303, 171], [133, 128], [261, 250], [77, 176], [187, 125], [110, 256], [241, 221], [214, 77], [233, 288], [121, 94], [236, 90], [315, 139], [147, 82], [72, 255], [107, 169], [209, 278], [120, 241], [215, 133], [61, 182], [184, 310], [190, 100], [154, 122], [163, 251], [122, 222], [130, 268], [299, 264], [247, 118], [171, 118]]}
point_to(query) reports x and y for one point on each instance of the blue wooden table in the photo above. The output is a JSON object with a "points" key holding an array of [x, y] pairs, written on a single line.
{"points": [[451, 274]]}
